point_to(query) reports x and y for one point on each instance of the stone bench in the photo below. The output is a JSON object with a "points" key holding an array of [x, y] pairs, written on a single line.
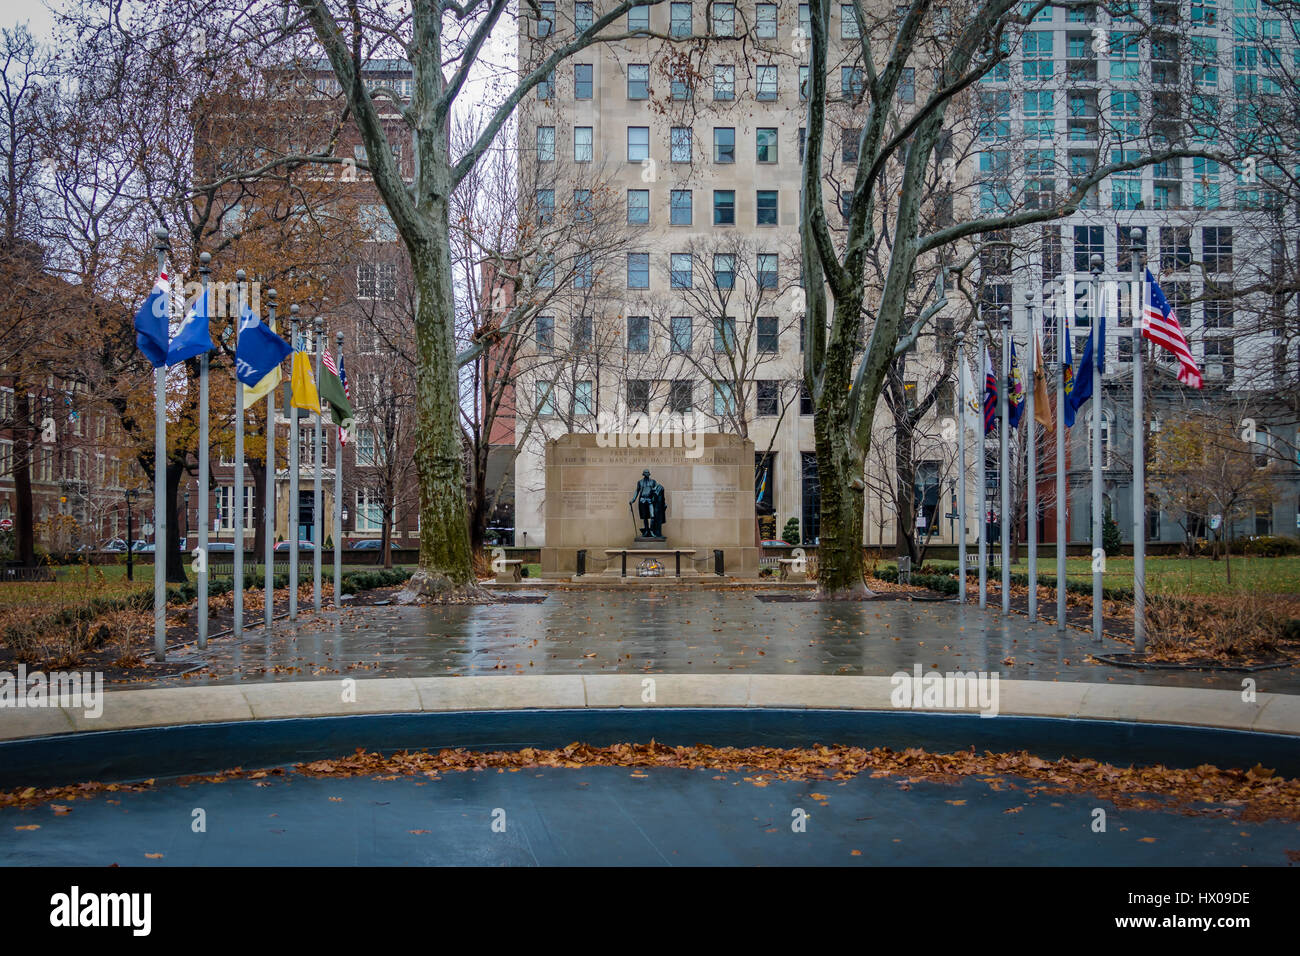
{"points": [[793, 569], [677, 553], [509, 570]]}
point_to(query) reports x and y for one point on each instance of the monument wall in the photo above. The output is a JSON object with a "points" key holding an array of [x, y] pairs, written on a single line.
{"points": [[709, 488]]}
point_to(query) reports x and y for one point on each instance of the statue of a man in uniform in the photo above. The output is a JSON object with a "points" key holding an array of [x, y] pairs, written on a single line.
{"points": [[651, 505]]}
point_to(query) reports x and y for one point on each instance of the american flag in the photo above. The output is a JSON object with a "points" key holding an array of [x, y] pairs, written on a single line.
{"points": [[328, 361], [1160, 325]]}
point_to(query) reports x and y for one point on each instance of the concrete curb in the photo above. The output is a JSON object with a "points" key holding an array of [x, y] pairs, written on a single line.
{"points": [[132, 709]]}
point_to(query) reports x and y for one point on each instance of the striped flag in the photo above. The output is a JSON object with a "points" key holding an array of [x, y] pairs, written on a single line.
{"points": [[335, 393], [347, 393], [1160, 325]]}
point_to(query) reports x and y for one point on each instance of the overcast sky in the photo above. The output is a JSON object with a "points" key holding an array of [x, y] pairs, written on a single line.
{"points": [[34, 12]]}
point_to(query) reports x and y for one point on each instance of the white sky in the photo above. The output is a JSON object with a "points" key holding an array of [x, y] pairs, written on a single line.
{"points": [[34, 12]]}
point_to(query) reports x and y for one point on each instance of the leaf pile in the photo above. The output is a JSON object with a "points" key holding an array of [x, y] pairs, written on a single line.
{"points": [[1249, 795]]}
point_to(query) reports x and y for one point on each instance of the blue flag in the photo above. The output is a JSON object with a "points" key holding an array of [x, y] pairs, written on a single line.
{"points": [[259, 350], [193, 337], [151, 323]]}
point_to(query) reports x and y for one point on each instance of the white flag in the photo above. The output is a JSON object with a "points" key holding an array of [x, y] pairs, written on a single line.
{"points": [[972, 416]]}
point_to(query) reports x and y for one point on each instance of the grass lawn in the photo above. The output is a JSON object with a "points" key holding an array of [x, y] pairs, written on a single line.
{"points": [[1168, 575], [73, 586]]}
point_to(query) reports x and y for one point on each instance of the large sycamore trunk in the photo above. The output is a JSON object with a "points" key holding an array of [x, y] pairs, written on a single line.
{"points": [[445, 556], [841, 563]]}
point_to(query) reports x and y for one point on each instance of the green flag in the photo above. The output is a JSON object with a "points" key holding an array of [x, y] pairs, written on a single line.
{"points": [[331, 390]]}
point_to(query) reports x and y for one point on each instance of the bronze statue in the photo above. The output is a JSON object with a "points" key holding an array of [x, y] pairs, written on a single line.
{"points": [[652, 506]]}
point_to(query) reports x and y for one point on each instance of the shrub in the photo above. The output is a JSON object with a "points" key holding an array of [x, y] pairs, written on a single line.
{"points": [[1272, 546], [1110, 537], [790, 533]]}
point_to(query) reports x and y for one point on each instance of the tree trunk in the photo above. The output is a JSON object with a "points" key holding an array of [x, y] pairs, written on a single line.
{"points": [[445, 557], [904, 469], [841, 562], [24, 519], [258, 471]]}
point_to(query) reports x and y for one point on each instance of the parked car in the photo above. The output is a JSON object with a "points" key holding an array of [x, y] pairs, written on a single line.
{"points": [[371, 544], [302, 546], [220, 546], [142, 547], [115, 546]]}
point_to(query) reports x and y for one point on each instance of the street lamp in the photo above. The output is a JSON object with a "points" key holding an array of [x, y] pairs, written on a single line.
{"points": [[130, 494]]}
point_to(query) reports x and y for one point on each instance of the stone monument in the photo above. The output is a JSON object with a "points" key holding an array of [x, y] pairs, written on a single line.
{"points": [[705, 497]]}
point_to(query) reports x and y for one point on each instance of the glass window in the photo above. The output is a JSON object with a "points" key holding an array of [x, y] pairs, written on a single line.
{"points": [[638, 81], [582, 16], [638, 396], [545, 398], [582, 329], [582, 205], [1037, 49], [1088, 241], [638, 18], [849, 27], [681, 84], [545, 206], [638, 270], [680, 268], [850, 137], [638, 143], [680, 19], [1039, 106], [769, 335], [681, 333], [767, 207], [724, 19], [1216, 248], [680, 207], [724, 82], [852, 84], [638, 333], [546, 19], [546, 88], [766, 145], [546, 144], [681, 396], [545, 333], [638, 206], [803, 83], [765, 21], [767, 270], [584, 272], [582, 150], [583, 398], [724, 207], [768, 397], [907, 85], [724, 270], [724, 398], [767, 83], [724, 144], [582, 81], [724, 333], [680, 141]]}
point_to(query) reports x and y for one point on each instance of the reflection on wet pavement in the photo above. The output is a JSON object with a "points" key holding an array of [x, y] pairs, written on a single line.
{"points": [[584, 632]]}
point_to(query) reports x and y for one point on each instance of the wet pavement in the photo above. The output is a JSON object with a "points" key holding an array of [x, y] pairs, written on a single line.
{"points": [[677, 631], [617, 816]]}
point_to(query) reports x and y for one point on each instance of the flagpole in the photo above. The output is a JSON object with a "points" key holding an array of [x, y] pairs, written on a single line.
{"points": [[961, 466], [317, 517], [293, 478], [237, 627], [1136, 303], [1031, 455], [338, 497], [1004, 470], [1062, 311], [204, 259], [160, 481], [1095, 371], [982, 494], [268, 508]]}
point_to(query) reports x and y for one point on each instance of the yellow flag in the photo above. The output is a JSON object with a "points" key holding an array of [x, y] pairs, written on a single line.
{"points": [[1042, 404], [303, 386], [270, 380]]}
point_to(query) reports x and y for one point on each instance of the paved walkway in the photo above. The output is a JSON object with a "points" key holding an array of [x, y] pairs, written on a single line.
{"points": [[687, 631]]}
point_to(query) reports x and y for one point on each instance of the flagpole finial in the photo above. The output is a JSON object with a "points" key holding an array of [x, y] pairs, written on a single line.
{"points": [[319, 324], [271, 294], [1005, 314], [161, 235], [339, 338], [961, 339], [1096, 265], [1136, 234], [240, 275], [293, 312], [205, 262]]}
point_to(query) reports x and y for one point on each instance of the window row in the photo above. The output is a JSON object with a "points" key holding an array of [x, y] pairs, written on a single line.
{"points": [[674, 396], [718, 19], [681, 210], [680, 331], [683, 83], [681, 145]]}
